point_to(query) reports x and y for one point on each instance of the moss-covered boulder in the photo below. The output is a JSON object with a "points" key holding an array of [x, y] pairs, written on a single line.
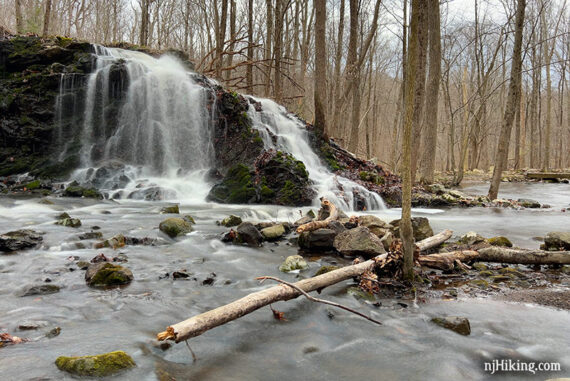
{"points": [[19, 240], [79, 191], [500, 241], [175, 226], [273, 233], [107, 274], [230, 221], [103, 365], [237, 187], [293, 262], [172, 209]]}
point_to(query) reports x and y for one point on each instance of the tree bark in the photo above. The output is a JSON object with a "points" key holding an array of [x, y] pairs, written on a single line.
{"points": [[320, 94], [249, 67], [337, 82], [524, 257], [501, 156], [19, 19], [278, 51], [47, 16], [446, 261], [434, 240]]}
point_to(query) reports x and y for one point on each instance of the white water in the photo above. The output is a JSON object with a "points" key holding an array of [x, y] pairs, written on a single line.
{"points": [[163, 133]]}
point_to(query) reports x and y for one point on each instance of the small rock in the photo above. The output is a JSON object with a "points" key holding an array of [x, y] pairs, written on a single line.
{"points": [[511, 271], [311, 214], [107, 274], [273, 233], [53, 332], [303, 221], [248, 234], [19, 240], [500, 241], [479, 266], [471, 238], [172, 209], [103, 365], [83, 265], [100, 258], [293, 262], [528, 203], [231, 221], [70, 222], [486, 273], [358, 293], [175, 227], [455, 323], [32, 324], [180, 274], [90, 235], [114, 242], [43, 289], [188, 218], [481, 283], [557, 241], [500, 278], [325, 269]]}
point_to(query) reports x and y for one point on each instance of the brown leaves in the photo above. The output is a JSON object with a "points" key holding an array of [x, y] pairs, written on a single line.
{"points": [[7, 339], [278, 315], [369, 282]]}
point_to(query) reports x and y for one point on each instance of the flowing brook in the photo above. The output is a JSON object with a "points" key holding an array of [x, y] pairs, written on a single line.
{"points": [[163, 140]]}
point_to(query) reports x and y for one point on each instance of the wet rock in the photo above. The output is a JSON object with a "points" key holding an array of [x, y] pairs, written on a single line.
{"points": [[320, 239], [455, 323], [528, 203], [83, 265], [486, 273], [107, 274], [336, 226], [79, 191], [311, 214], [481, 283], [375, 225], [153, 193], [480, 266], [511, 272], [303, 220], [247, 233], [180, 274], [90, 235], [358, 293], [209, 280], [293, 262], [325, 269], [172, 209], [230, 221], [42, 289], [387, 240], [557, 241], [19, 240], [69, 222], [500, 278], [471, 238], [54, 332], [32, 324], [359, 241], [436, 188], [420, 225], [103, 365], [114, 242], [188, 218], [100, 258], [273, 233], [175, 227], [500, 241]]}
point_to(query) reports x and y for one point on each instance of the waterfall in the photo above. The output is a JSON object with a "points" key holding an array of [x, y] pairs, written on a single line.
{"points": [[291, 136]]}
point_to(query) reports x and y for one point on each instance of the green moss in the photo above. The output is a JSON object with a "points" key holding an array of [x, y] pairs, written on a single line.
{"points": [[500, 241], [371, 177], [33, 185], [63, 41], [329, 157], [237, 187], [266, 192], [175, 227], [111, 275], [481, 283], [96, 366]]}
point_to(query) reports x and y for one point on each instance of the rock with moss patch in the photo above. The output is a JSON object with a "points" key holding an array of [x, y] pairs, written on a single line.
{"points": [[457, 324], [273, 233], [69, 222], [325, 269], [480, 266], [420, 226], [358, 293], [359, 241], [79, 191], [230, 221], [481, 283], [105, 274], [102, 365], [188, 218], [236, 188], [172, 209], [500, 241], [528, 203], [114, 242], [471, 238], [19, 240], [41, 289], [175, 226], [293, 262]]}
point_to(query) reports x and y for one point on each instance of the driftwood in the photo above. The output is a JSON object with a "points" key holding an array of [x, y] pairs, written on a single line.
{"points": [[314, 225], [446, 261], [524, 257], [199, 324], [434, 240]]}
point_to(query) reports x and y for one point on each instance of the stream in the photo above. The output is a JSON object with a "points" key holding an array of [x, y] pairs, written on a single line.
{"points": [[316, 342]]}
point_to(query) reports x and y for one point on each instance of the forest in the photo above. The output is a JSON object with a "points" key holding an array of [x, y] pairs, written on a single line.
{"points": [[194, 170]]}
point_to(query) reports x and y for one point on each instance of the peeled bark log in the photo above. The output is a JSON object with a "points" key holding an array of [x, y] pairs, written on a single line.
{"points": [[524, 257], [314, 225], [446, 261], [197, 325], [434, 240]]}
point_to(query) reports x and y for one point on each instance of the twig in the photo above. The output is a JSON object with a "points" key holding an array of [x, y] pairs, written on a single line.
{"points": [[312, 298], [194, 358]]}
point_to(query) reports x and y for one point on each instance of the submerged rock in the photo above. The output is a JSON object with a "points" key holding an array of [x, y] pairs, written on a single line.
{"points": [[455, 323], [293, 262], [359, 241], [172, 209], [500, 241], [325, 269], [273, 233], [114, 242], [103, 365], [557, 241], [107, 274], [90, 235], [528, 203], [230, 221], [320, 239], [175, 227], [420, 225], [42, 289], [19, 240]]}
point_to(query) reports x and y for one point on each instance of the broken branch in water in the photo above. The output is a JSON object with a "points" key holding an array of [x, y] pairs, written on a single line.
{"points": [[314, 225], [318, 300]]}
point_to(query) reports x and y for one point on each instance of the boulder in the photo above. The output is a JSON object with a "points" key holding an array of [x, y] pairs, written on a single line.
{"points": [[107, 274], [359, 241], [172, 209], [320, 239], [19, 240], [247, 233], [175, 226], [500, 241], [557, 241], [387, 240], [103, 365], [293, 262], [420, 225], [79, 191], [273, 233], [455, 323], [471, 238], [374, 224], [230, 221], [528, 203]]}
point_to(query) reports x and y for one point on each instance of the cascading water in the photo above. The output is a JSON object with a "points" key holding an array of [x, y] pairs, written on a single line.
{"points": [[147, 132], [292, 137]]}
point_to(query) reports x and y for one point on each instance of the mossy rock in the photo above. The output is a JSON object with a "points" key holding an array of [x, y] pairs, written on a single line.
{"points": [[230, 221], [325, 269], [78, 191], [175, 227], [188, 218], [107, 274], [511, 272], [455, 323], [114, 242], [273, 233], [500, 241], [236, 188], [480, 266], [172, 209], [102, 365], [69, 222], [486, 273], [481, 283], [293, 262], [358, 293]]}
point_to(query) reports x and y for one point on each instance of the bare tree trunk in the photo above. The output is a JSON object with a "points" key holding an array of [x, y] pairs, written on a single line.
{"points": [[221, 36], [501, 156], [268, 45], [249, 68], [233, 15], [320, 97], [337, 80], [432, 96], [19, 19], [47, 16], [278, 51]]}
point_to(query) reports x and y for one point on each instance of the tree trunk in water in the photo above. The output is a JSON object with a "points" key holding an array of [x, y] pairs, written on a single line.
{"points": [[501, 156], [406, 232], [320, 96], [47, 16], [432, 96]]}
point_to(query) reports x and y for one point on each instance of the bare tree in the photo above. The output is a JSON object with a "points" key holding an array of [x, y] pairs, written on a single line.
{"points": [[320, 97]]}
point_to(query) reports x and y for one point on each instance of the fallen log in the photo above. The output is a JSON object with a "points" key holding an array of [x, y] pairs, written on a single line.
{"points": [[446, 261], [524, 257], [197, 325], [314, 225], [434, 240]]}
